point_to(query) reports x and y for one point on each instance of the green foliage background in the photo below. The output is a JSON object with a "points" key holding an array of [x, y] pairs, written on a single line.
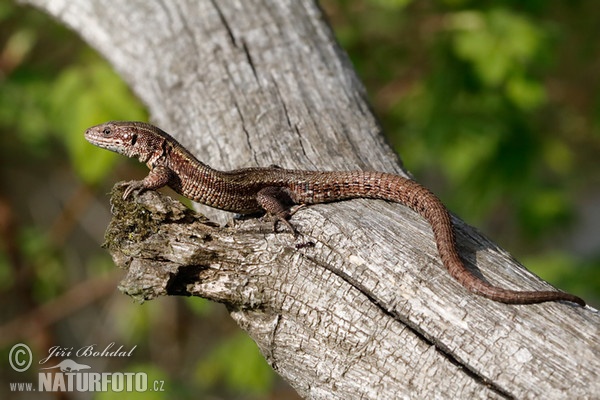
{"points": [[494, 105]]}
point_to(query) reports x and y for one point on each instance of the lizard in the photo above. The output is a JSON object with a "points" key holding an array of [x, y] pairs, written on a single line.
{"points": [[280, 192]]}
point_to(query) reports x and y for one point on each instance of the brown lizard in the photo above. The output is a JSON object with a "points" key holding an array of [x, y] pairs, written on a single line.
{"points": [[280, 192]]}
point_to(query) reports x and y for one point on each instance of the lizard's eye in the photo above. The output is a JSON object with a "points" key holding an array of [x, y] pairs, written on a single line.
{"points": [[133, 140], [106, 131]]}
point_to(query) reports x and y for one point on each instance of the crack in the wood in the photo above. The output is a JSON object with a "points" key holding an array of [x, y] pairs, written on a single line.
{"points": [[245, 130], [280, 97], [225, 24], [297, 130], [439, 347], [294, 127], [271, 356], [250, 60]]}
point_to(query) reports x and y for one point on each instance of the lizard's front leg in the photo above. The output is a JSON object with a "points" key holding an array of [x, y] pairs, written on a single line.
{"points": [[278, 202], [157, 177]]}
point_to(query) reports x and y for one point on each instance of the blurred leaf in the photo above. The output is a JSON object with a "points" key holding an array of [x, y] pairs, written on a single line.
{"points": [[134, 320], [577, 276], [525, 94], [201, 307], [17, 47], [6, 10], [238, 364], [20, 106], [544, 210], [99, 264], [393, 4], [46, 261], [500, 45], [7, 278], [85, 95], [557, 155]]}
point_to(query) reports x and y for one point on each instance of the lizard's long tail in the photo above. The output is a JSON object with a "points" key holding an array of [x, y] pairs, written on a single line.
{"points": [[379, 185]]}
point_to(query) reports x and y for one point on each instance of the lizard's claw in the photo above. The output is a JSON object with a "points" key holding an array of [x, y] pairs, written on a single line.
{"points": [[283, 218], [130, 187], [295, 209]]}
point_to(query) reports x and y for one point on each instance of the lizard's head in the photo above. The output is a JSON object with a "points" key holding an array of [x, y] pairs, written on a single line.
{"points": [[123, 137]]}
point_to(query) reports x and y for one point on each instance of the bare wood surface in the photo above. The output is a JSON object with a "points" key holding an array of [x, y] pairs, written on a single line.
{"points": [[359, 305]]}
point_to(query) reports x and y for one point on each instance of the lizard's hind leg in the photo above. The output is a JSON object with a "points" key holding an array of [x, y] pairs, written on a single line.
{"points": [[277, 203]]}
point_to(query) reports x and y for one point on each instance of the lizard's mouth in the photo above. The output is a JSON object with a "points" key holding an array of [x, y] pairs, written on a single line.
{"points": [[92, 136]]}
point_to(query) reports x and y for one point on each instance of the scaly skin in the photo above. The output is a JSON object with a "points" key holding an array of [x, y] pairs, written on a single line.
{"points": [[276, 190]]}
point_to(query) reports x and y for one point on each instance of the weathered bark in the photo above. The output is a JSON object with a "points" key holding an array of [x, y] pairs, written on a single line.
{"points": [[359, 305]]}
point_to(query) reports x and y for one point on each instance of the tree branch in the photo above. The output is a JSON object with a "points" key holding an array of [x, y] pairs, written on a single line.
{"points": [[359, 305]]}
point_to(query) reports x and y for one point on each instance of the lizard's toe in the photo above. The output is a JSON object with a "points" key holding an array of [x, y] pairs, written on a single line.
{"points": [[284, 219]]}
